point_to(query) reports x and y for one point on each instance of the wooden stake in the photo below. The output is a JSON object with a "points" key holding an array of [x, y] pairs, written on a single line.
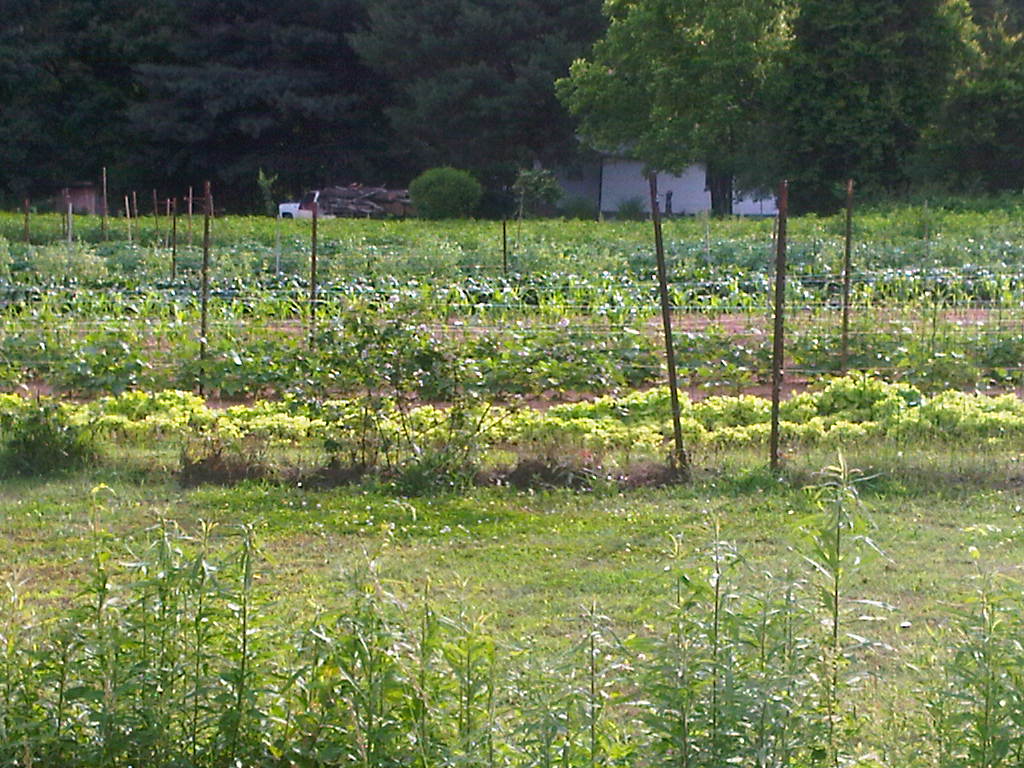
{"points": [[128, 217], [707, 236], [778, 343], [190, 217], [174, 240], [135, 210], [204, 291], [103, 221], [312, 279], [27, 231], [504, 247], [167, 212], [847, 253], [156, 216], [679, 459], [277, 244], [70, 221]]}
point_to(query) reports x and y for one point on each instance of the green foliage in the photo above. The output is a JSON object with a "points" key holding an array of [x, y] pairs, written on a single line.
{"points": [[42, 437], [267, 194], [675, 82], [472, 103], [198, 91], [179, 647], [579, 208], [864, 79], [975, 136], [427, 306], [445, 193], [632, 209], [535, 190], [426, 449]]}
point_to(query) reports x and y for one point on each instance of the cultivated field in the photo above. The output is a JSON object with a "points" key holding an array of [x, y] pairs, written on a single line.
{"points": [[421, 515]]}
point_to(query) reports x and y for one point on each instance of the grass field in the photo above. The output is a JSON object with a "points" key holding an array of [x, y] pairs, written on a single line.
{"points": [[527, 569]]}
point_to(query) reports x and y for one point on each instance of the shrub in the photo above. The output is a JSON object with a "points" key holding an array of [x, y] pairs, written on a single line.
{"points": [[632, 209], [41, 438], [579, 208], [445, 193]]}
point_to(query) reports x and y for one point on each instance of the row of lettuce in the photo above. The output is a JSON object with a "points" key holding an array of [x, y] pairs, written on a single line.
{"points": [[380, 431]]}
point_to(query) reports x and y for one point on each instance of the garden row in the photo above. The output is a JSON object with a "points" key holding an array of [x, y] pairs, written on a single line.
{"points": [[360, 345], [431, 311], [731, 272], [907, 226], [421, 448]]}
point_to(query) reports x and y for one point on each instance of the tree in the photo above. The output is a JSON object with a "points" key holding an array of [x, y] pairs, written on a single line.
{"points": [[978, 135], [473, 78], [865, 77], [249, 85], [1008, 14], [674, 82], [445, 193], [65, 81]]}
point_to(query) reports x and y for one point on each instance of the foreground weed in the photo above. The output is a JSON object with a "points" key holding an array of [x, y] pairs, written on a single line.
{"points": [[836, 542], [727, 682], [976, 713]]}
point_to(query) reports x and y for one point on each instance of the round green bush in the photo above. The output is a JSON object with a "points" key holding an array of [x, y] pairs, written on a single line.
{"points": [[445, 193], [41, 438]]}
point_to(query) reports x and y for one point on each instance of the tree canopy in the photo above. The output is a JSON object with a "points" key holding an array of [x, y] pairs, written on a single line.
{"points": [[674, 82], [473, 79], [864, 79]]}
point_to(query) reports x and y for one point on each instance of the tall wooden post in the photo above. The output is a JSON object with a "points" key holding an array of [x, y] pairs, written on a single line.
{"points": [[204, 290], [70, 226], [190, 203], [174, 239], [27, 234], [679, 459], [156, 217], [103, 221], [64, 213], [128, 217], [847, 255], [312, 278], [504, 247], [135, 212], [778, 342], [277, 244], [166, 237]]}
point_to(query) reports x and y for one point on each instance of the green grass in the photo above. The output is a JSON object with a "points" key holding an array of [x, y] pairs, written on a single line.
{"points": [[535, 563], [557, 550], [937, 501]]}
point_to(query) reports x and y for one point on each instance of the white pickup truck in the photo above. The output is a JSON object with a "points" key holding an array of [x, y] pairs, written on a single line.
{"points": [[303, 209]]}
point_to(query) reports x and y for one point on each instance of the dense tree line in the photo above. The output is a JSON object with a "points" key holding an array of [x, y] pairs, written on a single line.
{"points": [[166, 94]]}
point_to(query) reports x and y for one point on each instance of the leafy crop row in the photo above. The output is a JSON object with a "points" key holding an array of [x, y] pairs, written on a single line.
{"points": [[255, 349], [423, 447]]}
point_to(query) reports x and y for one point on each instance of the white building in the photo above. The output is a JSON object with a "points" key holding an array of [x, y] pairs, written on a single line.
{"points": [[612, 181]]}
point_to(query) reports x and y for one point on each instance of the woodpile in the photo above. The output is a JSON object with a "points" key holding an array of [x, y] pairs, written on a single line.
{"points": [[357, 200]]}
